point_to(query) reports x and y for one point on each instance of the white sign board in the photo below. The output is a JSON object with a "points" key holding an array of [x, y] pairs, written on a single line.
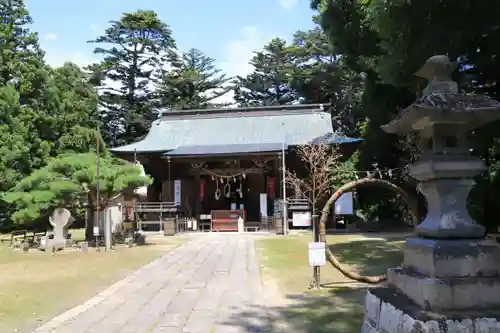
{"points": [[263, 204], [317, 254], [301, 219], [177, 192], [345, 204], [96, 231]]}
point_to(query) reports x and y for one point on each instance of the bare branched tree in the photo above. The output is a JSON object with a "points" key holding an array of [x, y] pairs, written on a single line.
{"points": [[319, 161]]}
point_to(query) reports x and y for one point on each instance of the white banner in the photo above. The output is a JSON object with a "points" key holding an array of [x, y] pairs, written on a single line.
{"points": [[263, 204], [177, 192], [345, 204]]}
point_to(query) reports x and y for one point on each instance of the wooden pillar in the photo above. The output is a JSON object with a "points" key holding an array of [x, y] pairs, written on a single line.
{"points": [[170, 193], [197, 205], [279, 174]]}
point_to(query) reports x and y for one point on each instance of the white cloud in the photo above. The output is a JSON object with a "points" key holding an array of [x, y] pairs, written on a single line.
{"points": [[239, 52], [288, 4], [51, 36]]}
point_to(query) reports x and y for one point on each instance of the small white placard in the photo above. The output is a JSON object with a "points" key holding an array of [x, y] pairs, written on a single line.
{"points": [[96, 231], [317, 254], [345, 204]]}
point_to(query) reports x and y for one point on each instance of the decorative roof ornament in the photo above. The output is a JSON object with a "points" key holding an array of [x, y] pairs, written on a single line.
{"points": [[438, 68], [441, 102]]}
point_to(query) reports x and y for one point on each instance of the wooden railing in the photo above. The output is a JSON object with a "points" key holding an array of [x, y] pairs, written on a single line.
{"points": [[159, 210], [155, 207]]}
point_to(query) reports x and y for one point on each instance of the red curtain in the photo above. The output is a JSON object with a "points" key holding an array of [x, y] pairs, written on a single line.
{"points": [[202, 189], [271, 187]]}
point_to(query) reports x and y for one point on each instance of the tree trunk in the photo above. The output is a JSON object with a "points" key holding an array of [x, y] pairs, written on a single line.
{"points": [[89, 225], [316, 284], [326, 212]]}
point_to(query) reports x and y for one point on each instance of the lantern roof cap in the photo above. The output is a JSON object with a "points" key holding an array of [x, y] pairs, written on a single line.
{"points": [[442, 103]]}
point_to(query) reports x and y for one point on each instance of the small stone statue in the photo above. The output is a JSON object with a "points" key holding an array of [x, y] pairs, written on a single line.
{"points": [[60, 220]]}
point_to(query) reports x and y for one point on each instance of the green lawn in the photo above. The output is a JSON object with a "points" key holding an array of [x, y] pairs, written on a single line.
{"points": [[36, 286], [339, 306]]}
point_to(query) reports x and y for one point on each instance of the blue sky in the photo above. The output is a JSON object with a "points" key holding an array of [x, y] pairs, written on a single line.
{"points": [[226, 30]]}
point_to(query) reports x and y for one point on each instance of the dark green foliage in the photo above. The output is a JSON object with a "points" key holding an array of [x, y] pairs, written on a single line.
{"points": [[321, 76], [193, 82], [70, 181], [269, 83], [387, 41], [43, 110]]}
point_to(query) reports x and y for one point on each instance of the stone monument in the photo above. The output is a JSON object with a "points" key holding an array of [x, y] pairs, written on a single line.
{"points": [[60, 220], [449, 280]]}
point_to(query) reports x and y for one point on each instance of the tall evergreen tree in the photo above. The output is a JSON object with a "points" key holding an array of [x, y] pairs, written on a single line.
{"points": [[193, 81], [39, 106], [133, 48], [321, 76], [269, 83], [20, 52], [14, 151], [25, 76], [73, 109]]}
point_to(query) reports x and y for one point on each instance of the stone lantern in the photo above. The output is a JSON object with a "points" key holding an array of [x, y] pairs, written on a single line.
{"points": [[450, 277]]}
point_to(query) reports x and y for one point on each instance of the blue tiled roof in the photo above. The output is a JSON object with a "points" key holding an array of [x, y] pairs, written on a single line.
{"points": [[334, 139], [295, 126]]}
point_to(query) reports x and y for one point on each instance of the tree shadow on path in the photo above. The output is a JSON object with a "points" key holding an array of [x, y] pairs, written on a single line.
{"points": [[335, 310]]}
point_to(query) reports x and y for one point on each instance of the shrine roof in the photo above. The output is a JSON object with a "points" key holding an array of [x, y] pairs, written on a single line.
{"points": [[226, 149], [293, 124]]}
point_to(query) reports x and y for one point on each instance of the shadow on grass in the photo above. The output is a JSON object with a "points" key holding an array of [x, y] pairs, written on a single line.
{"points": [[370, 256], [338, 310], [339, 307]]}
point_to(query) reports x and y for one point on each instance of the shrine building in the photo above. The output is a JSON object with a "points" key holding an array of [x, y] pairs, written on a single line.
{"points": [[211, 164]]}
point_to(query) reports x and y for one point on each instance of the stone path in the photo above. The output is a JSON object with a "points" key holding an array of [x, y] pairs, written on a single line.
{"points": [[208, 285]]}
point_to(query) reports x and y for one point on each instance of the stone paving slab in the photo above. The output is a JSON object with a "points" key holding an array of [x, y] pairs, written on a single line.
{"points": [[204, 286]]}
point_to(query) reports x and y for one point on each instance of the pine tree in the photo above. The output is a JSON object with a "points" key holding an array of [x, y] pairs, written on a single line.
{"points": [[134, 48], [70, 181], [321, 76], [192, 82], [269, 83]]}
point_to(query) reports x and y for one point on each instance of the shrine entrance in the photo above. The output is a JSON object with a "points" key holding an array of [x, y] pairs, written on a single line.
{"points": [[231, 189]]}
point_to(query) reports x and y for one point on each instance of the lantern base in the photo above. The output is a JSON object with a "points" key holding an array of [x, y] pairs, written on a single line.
{"points": [[386, 311], [442, 286], [449, 275]]}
